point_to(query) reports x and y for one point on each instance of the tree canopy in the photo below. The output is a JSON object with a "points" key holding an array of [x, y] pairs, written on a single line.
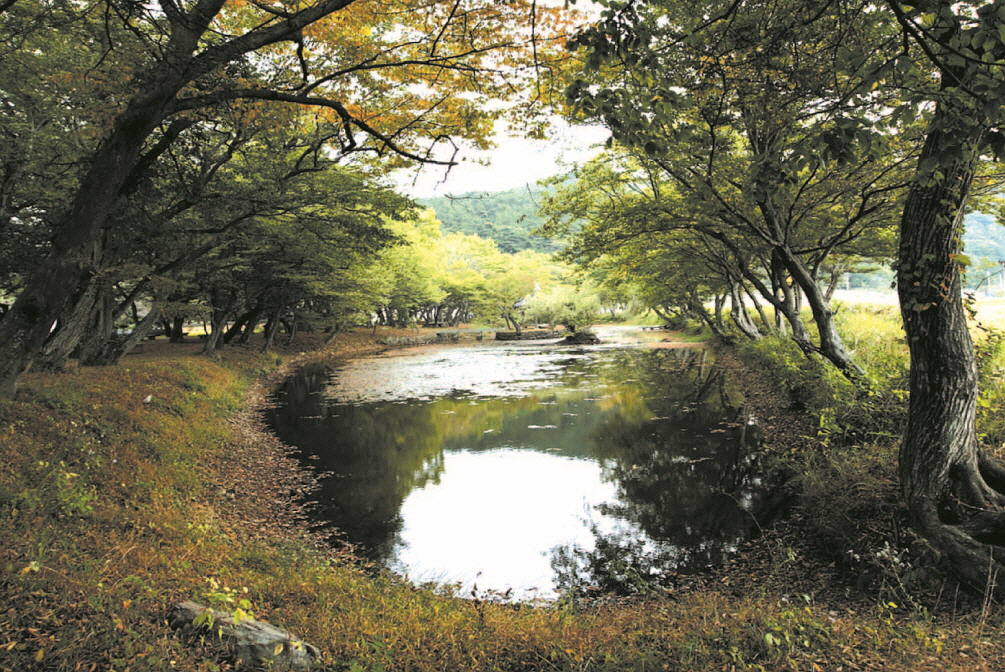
{"points": [[130, 102], [747, 107]]}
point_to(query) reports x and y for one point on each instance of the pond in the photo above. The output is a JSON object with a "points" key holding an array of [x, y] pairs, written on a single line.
{"points": [[525, 469]]}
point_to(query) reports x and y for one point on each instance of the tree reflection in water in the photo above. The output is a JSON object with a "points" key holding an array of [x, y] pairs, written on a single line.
{"points": [[662, 427], [690, 479]]}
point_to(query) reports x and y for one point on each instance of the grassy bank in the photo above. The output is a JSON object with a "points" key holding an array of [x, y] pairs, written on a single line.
{"points": [[124, 490]]}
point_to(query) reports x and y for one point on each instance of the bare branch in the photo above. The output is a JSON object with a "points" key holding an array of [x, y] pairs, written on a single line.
{"points": [[348, 120]]}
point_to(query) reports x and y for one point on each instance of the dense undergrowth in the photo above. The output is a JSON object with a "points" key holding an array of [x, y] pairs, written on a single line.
{"points": [[110, 501], [849, 506]]}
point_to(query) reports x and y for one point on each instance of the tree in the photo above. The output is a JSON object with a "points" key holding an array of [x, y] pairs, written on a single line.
{"points": [[943, 60], [612, 219], [955, 491], [574, 307], [247, 214], [510, 280], [735, 117], [410, 273], [356, 63]]}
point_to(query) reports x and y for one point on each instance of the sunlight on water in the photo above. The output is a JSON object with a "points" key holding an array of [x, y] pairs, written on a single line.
{"points": [[495, 516]]}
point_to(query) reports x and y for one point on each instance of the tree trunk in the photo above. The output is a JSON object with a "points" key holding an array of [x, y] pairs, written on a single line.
{"points": [[720, 302], [69, 332], [738, 313], [273, 326], [250, 326], [759, 308], [831, 346], [214, 339], [836, 272], [101, 329], [76, 246], [291, 329], [176, 329], [237, 327], [114, 349], [946, 480], [697, 308]]}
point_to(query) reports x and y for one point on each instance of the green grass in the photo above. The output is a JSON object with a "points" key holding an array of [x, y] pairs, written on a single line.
{"points": [[110, 513]]}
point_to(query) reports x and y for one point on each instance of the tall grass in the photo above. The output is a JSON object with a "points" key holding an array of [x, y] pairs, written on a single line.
{"points": [[849, 498], [111, 510]]}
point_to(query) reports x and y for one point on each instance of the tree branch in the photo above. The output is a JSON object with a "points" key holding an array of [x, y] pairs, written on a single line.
{"points": [[348, 120]]}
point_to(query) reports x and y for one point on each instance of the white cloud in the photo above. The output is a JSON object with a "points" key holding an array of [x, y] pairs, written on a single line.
{"points": [[515, 163]]}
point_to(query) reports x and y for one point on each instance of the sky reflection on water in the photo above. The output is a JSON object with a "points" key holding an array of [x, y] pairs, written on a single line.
{"points": [[489, 464]]}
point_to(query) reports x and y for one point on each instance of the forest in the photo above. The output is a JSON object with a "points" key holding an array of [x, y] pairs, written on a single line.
{"points": [[510, 218], [223, 164]]}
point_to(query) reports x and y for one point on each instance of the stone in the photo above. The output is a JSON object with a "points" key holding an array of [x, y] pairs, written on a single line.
{"points": [[526, 335], [253, 644], [581, 338]]}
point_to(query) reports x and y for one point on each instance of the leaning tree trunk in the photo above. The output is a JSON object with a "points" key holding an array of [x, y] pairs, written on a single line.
{"points": [[76, 245], [275, 319], [218, 323], [831, 346], [102, 327], [71, 330], [696, 307], [720, 302], [738, 313], [952, 489], [115, 349]]}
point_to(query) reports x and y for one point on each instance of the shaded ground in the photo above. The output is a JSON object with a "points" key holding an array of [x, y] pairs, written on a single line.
{"points": [[261, 486]]}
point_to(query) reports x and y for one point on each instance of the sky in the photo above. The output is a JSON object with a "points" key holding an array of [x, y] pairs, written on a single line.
{"points": [[515, 163]]}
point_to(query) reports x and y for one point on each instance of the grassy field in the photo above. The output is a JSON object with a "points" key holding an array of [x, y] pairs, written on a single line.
{"points": [[124, 490]]}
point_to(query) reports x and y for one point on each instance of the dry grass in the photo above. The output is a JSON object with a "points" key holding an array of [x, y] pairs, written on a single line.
{"points": [[125, 489]]}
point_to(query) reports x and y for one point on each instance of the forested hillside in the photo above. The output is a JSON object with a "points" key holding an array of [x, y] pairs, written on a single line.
{"points": [[507, 217], [984, 238]]}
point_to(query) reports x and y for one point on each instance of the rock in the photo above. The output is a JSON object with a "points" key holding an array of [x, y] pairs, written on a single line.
{"points": [[526, 335], [253, 644], [581, 338]]}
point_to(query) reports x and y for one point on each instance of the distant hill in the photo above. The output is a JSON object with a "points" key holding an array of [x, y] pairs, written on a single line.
{"points": [[984, 243], [984, 238], [510, 217], [507, 217]]}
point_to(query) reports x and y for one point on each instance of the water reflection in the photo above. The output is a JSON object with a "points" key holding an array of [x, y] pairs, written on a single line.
{"points": [[530, 468]]}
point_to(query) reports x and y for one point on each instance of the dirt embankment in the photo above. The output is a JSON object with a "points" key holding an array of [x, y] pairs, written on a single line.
{"points": [[260, 483]]}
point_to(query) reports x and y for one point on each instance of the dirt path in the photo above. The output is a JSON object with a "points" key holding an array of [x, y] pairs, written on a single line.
{"points": [[260, 483]]}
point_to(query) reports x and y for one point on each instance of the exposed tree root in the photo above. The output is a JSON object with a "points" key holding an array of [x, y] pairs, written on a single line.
{"points": [[970, 539], [993, 473]]}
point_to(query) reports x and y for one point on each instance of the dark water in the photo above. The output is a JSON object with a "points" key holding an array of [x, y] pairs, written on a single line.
{"points": [[532, 467]]}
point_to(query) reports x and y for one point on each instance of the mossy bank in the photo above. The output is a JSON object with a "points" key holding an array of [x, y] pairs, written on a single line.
{"points": [[127, 489]]}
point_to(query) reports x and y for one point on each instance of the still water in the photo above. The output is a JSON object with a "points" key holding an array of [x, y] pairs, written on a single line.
{"points": [[528, 468]]}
